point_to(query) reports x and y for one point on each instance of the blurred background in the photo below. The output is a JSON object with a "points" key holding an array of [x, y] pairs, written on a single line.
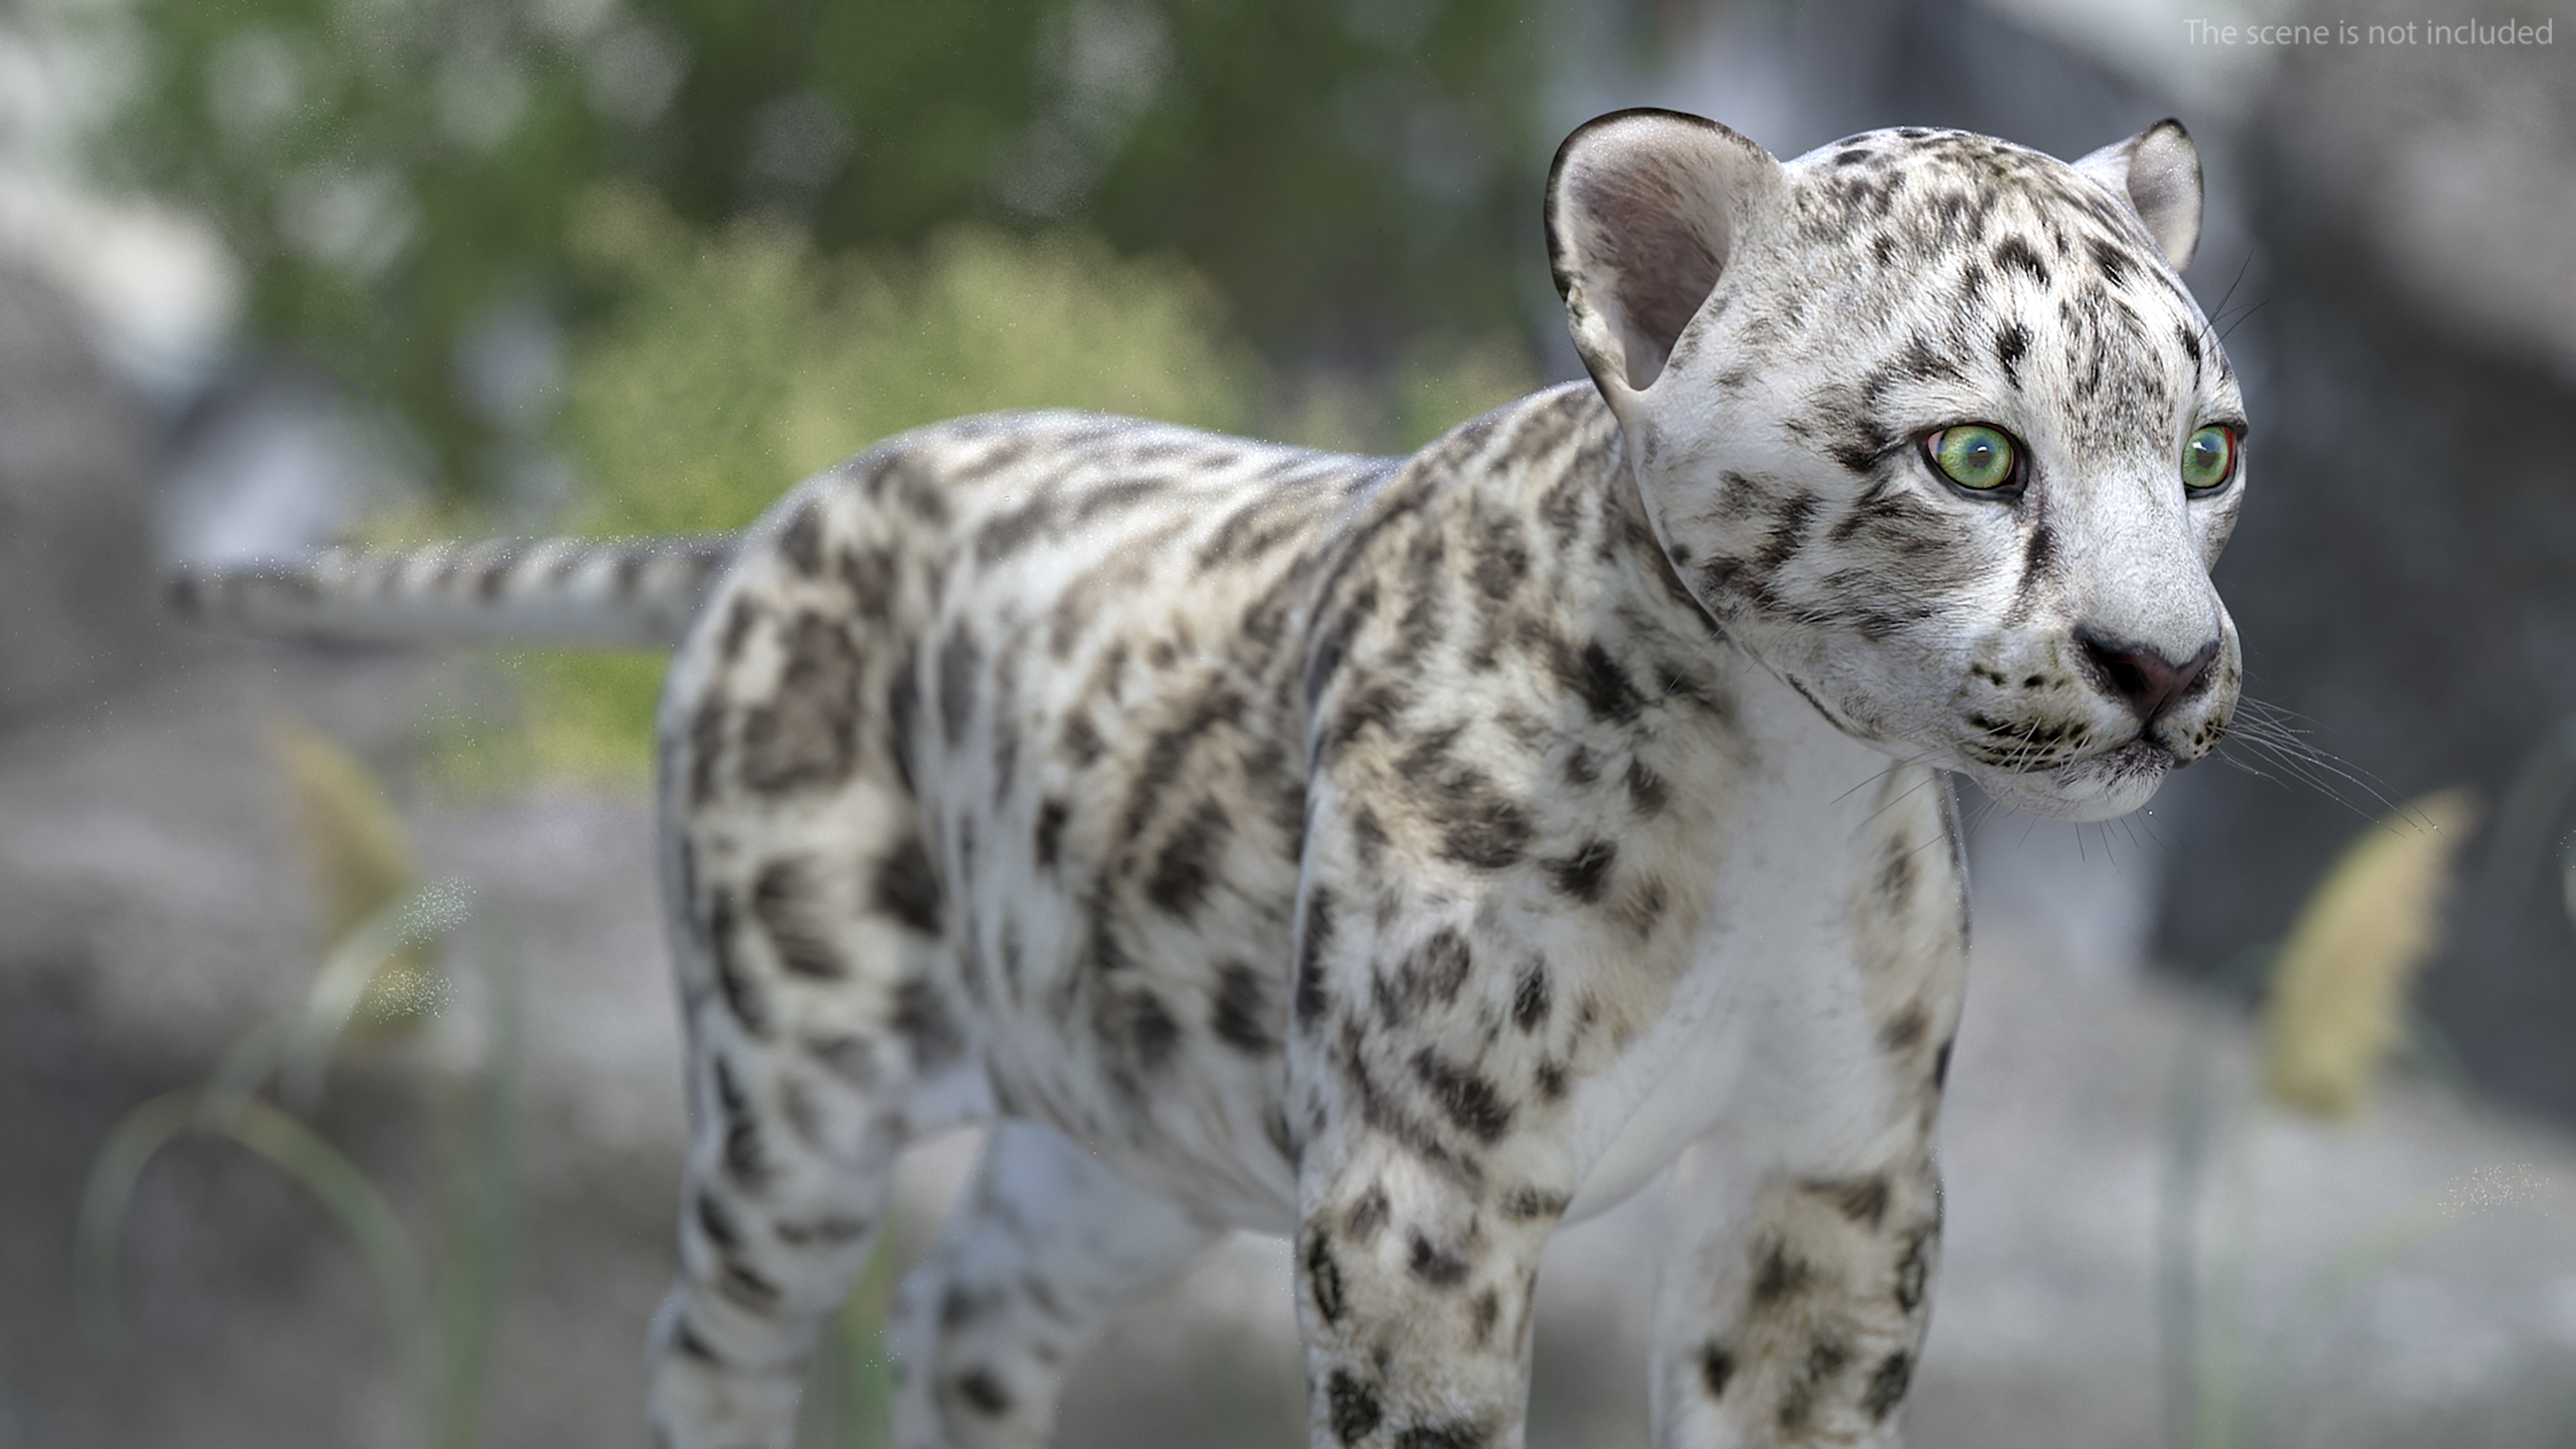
{"points": [[334, 1028]]}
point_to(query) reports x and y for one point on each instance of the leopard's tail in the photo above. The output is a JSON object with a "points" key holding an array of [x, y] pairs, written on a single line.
{"points": [[634, 593]]}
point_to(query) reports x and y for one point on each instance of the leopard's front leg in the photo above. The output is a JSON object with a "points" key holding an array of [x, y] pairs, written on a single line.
{"points": [[1791, 1309], [1431, 1171], [1801, 1235], [1414, 1293]]}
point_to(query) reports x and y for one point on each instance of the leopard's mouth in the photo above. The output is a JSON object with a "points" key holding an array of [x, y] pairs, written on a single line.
{"points": [[2140, 756], [2098, 786]]}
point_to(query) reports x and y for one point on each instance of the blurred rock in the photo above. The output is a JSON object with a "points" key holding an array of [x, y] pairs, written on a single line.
{"points": [[77, 596]]}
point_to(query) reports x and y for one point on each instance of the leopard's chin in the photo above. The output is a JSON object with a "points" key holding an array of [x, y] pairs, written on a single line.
{"points": [[2098, 787]]}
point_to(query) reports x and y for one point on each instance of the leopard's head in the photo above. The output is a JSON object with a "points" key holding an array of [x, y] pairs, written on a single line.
{"points": [[1929, 426]]}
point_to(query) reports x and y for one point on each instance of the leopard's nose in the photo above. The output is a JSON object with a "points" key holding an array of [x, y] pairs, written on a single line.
{"points": [[2141, 674]]}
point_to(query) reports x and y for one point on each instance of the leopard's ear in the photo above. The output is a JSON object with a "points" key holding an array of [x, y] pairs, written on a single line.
{"points": [[1643, 209], [2157, 172]]}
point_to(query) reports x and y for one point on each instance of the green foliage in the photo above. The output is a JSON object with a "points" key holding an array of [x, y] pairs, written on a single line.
{"points": [[738, 365], [402, 179]]}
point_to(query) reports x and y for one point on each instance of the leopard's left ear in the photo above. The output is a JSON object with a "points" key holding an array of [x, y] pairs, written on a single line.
{"points": [[2157, 172], [1644, 210]]}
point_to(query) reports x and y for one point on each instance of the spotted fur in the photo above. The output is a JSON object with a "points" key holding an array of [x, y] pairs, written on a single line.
{"points": [[1409, 856]]}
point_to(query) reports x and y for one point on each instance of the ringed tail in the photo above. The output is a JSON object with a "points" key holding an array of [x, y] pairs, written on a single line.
{"points": [[633, 593]]}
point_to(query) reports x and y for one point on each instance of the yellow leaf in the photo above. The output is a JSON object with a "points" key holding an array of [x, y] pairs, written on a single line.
{"points": [[360, 861], [2337, 994]]}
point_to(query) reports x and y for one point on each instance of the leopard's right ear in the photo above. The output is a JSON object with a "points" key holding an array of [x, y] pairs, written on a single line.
{"points": [[1643, 209]]}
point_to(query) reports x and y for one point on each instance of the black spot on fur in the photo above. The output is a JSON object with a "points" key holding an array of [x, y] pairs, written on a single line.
{"points": [[1908, 1028], [1479, 825], [801, 544], [1367, 1215], [1646, 789], [1716, 1367], [1531, 996], [1488, 1310], [718, 1224], [871, 577], [1432, 1266], [1464, 1097], [739, 622], [807, 734], [1887, 1386], [1778, 1275], [2015, 253], [2038, 564], [903, 707], [1353, 1406], [1896, 872], [921, 1017], [1941, 1065], [685, 1338], [746, 1159], [1581, 874], [983, 1392], [1914, 1270], [907, 888], [1170, 750], [1315, 936], [1863, 1200], [1382, 1114], [960, 660], [741, 998], [1525, 1203], [706, 748], [1187, 863], [1605, 687], [1550, 1079], [1826, 1358], [1324, 1278], [2112, 262], [1582, 767], [782, 901], [852, 1059], [1501, 559], [1241, 1017], [1368, 838], [2012, 344], [1150, 1027], [1082, 743], [744, 1284], [1381, 704], [1050, 834], [1438, 967], [825, 1231]]}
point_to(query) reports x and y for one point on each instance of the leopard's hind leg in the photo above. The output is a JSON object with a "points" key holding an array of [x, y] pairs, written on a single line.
{"points": [[1044, 1245], [817, 983]]}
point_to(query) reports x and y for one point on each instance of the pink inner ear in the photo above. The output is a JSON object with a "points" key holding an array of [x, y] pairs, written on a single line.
{"points": [[1660, 266], [1641, 208]]}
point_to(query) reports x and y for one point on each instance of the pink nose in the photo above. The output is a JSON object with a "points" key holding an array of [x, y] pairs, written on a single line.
{"points": [[2141, 675]]}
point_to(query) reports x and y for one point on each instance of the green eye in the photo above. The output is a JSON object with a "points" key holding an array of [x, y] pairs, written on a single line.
{"points": [[1973, 455], [2209, 459]]}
